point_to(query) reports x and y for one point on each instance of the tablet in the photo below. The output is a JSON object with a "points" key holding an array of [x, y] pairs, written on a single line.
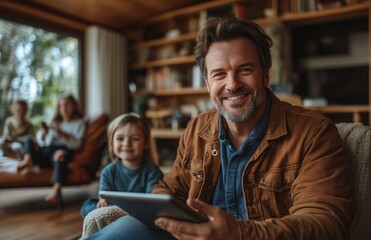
{"points": [[146, 207]]}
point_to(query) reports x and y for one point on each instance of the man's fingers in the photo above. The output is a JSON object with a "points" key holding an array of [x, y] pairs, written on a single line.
{"points": [[177, 228], [169, 225], [201, 207], [185, 230]]}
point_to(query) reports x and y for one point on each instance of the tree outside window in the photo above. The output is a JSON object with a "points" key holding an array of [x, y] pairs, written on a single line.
{"points": [[36, 65]]}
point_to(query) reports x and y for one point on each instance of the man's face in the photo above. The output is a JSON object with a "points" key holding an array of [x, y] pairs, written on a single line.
{"points": [[235, 79]]}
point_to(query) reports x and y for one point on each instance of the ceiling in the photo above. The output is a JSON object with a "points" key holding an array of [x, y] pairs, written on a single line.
{"points": [[115, 14]]}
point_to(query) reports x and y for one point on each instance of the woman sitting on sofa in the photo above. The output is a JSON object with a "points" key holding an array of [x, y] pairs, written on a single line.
{"points": [[57, 143]]}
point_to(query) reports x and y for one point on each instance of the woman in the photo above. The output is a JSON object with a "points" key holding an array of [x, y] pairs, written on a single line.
{"points": [[57, 143]]}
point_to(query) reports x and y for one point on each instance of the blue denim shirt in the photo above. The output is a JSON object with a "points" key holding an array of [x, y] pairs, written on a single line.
{"points": [[228, 193]]}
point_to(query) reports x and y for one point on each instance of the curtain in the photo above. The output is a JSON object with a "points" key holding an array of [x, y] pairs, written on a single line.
{"points": [[106, 72]]}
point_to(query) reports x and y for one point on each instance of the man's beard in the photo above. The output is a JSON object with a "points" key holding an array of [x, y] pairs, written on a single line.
{"points": [[242, 115]]}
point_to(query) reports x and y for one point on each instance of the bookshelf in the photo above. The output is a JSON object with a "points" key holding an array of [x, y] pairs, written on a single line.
{"points": [[163, 64], [338, 70]]}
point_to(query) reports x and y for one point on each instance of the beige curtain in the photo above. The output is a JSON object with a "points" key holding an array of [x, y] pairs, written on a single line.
{"points": [[106, 72]]}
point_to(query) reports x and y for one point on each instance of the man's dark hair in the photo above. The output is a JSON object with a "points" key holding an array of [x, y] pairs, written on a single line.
{"points": [[230, 28]]}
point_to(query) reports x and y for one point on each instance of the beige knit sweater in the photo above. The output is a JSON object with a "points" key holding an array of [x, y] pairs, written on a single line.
{"points": [[99, 218]]}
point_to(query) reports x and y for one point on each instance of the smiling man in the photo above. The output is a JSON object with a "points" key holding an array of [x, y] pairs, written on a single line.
{"points": [[259, 168]]}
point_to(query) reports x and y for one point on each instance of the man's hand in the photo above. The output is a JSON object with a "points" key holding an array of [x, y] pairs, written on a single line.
{"points": [[44, 130], [220, 225]]}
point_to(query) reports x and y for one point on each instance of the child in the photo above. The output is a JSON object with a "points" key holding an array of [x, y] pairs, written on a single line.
{"points": [[57, 143], [130, 171], [16, 128]]}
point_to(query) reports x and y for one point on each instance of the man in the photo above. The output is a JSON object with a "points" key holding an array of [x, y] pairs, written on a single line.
{"points": [[258, 168]]}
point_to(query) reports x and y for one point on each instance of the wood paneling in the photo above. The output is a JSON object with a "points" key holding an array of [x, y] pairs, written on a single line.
{"points": [[115, 14]]}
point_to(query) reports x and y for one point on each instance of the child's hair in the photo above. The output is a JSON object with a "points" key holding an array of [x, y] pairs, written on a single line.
{"points": [[21, 103], [121, 121], [77, 114]]}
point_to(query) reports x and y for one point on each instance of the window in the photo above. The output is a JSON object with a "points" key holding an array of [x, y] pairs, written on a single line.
{"points": [[36, 65]]}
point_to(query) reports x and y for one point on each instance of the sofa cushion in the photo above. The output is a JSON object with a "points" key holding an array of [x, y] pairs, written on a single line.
{"points": [[88, 156]]}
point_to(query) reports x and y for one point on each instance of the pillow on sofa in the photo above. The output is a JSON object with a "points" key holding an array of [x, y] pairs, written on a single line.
{"points": [[88, 155]]}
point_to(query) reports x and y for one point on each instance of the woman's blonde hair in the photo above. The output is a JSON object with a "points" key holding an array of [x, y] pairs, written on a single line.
{"points": [[121, 121]]}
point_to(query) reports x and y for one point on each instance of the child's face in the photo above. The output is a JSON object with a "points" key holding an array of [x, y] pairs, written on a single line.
{"points": [[66, 108], [129, 144], [19, 112]]}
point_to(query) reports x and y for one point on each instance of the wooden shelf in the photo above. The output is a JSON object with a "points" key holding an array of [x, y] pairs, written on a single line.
{"points": [[191, 10], [162, 133], [166, 133], [341, 108], [164, 62], [164, 41], [180, 91], [326, 15], [355, 110]]}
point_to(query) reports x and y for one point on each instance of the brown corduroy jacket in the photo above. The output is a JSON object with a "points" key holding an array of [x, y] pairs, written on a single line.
{"points": [[297, 184]]}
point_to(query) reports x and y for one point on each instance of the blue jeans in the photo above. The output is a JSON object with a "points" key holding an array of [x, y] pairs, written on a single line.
{"points": [[129, 228], [87, 206], [43, 156]]}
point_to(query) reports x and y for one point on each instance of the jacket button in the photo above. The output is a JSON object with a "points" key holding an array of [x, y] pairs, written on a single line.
{"points": [[214, 152]]}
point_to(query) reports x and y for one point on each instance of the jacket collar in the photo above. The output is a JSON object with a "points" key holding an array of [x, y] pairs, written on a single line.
{"points": [[277, 118], [210, 130]]}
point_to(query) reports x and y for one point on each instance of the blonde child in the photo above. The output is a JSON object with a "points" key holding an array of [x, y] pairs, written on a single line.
{"points": [[57, 143], [131, 170], [17, 128]]}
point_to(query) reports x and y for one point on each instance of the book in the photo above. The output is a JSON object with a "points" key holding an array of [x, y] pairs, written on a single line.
{"points": [[197, 80]]}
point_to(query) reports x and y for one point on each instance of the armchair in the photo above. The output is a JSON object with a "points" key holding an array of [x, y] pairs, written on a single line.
{"points": [[357, 138]]}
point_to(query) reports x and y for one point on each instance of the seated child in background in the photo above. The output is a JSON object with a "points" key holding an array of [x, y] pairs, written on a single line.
{"points": [[57, 142], [131, 170], [17, 128]]}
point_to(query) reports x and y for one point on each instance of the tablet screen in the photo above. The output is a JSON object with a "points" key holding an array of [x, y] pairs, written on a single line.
{"points": [[146, 207]]}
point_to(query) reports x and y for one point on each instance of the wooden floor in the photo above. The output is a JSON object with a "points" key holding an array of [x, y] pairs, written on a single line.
{"points": [[24, 215]]}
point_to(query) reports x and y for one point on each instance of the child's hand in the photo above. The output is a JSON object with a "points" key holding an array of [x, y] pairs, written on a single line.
{"points": [[44, 125], [102, 202], [44, 132], [55, 127], [44, 129], [57, 130]]}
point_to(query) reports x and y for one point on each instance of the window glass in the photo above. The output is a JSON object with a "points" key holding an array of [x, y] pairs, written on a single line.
{"points": [[36, 65]]}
